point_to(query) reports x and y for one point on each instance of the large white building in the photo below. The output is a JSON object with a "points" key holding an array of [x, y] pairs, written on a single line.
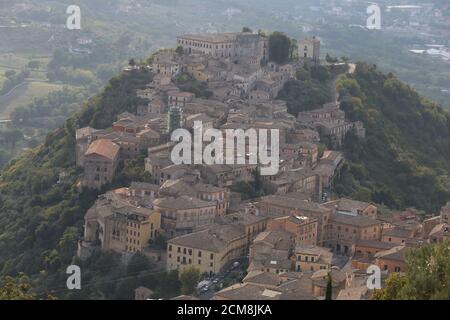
{"points": [[237, 46]]}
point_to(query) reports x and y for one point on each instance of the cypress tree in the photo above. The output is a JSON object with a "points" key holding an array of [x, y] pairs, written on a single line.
{"points": [[329, 290]]}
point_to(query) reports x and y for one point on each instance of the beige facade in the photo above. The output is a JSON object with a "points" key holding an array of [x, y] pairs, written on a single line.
{"points": [[179, 99], [208, 250], [279, 206], [183, 214], [253, 224], [304, 228], [312, 258], [345, 230], [116, 224], [237, 46], [392, 260], [220, 196]]}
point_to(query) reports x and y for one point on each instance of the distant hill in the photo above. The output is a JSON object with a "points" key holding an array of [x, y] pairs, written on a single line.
{"points": [[404, 160]]}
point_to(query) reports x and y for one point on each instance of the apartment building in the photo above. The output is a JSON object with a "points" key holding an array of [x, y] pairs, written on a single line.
{"points": [[312, 258], [115, 224], [183, 214], [344, 230], [280, 206], [304, 228], [209, 250]]}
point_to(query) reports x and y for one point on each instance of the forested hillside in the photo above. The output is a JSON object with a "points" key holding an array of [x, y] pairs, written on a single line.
{"points": [[404, 160], [41, 215]]}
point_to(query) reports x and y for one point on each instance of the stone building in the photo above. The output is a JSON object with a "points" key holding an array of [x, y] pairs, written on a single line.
{"points": [[164, 64], [100, 163], [115, 224], [330, 121], [253, 224], [271, 252], [364, 252], [345, 230], [309, 48], [312, 258], [208, 250], [353, 207], [184, 214], [304, 228], [392, 260], [280, 206], [240, 46]]}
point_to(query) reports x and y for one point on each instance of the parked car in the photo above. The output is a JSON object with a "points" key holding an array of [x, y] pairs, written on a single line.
{"points": [[205, 289]]}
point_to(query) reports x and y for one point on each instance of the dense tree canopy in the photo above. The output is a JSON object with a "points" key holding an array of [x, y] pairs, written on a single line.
{"points": [[310, 91], [279, 47], [403, 161], [427, 276], [189, 278], [16, 289]]}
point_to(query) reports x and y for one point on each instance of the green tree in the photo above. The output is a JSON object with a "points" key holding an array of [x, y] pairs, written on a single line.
{"points": [[246, 190], [427, 275], [138, 263], [179, 50], [392, 289], [16, 289], [67, 245], [331, 59], [160, 242], [293, 49], [34, 64], [4, 157], [11, 137], [246, 29], [279, 47], [329, 289], [105, 72], [10, 73], [257, 183], [307, 92], [189, 278], [320, 73]]}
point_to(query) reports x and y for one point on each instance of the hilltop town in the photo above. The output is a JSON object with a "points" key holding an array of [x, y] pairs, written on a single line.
{"points": [[293, 235]]}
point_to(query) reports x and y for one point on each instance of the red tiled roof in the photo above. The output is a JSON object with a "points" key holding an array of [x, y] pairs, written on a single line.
{"points": [[104, 148]]}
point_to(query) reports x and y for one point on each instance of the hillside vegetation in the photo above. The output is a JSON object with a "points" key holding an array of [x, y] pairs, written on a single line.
{"points": [[404, 160], [41, 220]]}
